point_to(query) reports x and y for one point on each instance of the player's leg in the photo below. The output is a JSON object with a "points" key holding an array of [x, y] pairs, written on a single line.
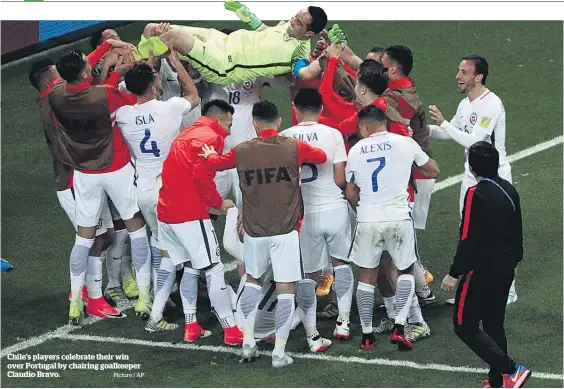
{"points": [[265, 322], [121, 279], [504, 172], [420, 207], [387, 282], [287, 268], [97, 304], [89, 197], [119, 187], [231, 242], [210, 59], [366, 250], [200, 242], [93, 277], [256, 254], [312, 250], [400, 241], [147, 201], [494, 318], [165, 280], [338, 236], [234, 247], [68, 203]]}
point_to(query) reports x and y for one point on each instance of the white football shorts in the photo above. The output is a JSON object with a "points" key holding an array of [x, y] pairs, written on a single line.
{"points": [[396, 237], [194, 241]]}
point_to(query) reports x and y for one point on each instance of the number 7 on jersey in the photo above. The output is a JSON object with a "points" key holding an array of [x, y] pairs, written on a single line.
{"points": [[381, 164]]}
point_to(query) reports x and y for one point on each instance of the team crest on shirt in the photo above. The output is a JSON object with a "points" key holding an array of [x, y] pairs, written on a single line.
{"points": [[217, 251], [247, 86], [287, 37], [473, 118]]}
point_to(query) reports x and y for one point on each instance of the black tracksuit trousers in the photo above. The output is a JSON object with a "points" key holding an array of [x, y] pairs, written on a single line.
{"points": [[482, 297]]}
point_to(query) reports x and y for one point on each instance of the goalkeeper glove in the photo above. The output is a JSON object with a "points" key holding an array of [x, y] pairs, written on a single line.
{"points": [[243, 13], [337, 35]]}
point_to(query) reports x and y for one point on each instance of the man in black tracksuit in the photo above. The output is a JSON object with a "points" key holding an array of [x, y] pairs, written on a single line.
{"points": [[490, 247]]}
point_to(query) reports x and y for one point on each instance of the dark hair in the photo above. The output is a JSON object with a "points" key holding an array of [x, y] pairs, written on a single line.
{"points": [[318, 19], [308, 99], [227, 31], [96, 38], [483, 159], [265, 111], [70, 65], [403, 56], [38, 69], [139, 78], [371, 114], [377, 49], [217, 105], [480, 65], [373, 75]]}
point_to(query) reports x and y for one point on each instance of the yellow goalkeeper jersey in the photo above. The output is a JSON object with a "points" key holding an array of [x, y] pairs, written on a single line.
{"points": [[265, 53]]}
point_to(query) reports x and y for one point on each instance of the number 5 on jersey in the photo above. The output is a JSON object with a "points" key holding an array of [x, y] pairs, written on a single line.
{"points": [[314, 173], [382, 163], [154, 149]]}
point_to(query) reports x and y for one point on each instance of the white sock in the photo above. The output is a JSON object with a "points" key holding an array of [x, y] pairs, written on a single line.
{"points": [[365, 304], [219, 297], [113, 259], [415, 315], [125, 268], [307, 301], [390, 303], [405, 291], [155, 261], [78, 265], [343, 289], [165, 278], [421, 287], [284, 313], [189, 293], [247, 305], [94, 277], [141, 257]]}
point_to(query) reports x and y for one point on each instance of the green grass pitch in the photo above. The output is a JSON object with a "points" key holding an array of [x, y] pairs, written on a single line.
{"points": [[525, 71]]}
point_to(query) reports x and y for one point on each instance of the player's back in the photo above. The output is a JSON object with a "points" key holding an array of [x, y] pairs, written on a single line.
{"points": [[149, 129], [381, 165], [319, 191], [180, 197], [242, 96]]}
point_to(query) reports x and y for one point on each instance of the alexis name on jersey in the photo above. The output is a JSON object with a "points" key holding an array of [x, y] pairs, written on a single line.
{"points": [[372, 148]]}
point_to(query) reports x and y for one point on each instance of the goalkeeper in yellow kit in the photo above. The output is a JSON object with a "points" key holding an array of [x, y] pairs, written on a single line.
{"points": [[244, 54]]}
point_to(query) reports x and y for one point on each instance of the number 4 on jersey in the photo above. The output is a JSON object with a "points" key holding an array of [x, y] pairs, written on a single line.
{"points": [[154, 149], [382, 161]]}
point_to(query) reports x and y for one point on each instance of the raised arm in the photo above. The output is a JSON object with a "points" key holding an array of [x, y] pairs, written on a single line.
{"points": [[481, 131], [245, 15], [188, 86]]}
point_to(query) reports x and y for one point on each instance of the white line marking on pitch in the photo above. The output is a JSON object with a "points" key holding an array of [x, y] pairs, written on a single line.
{"points": [[64, 331], [512, 158], [318, 357]]}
